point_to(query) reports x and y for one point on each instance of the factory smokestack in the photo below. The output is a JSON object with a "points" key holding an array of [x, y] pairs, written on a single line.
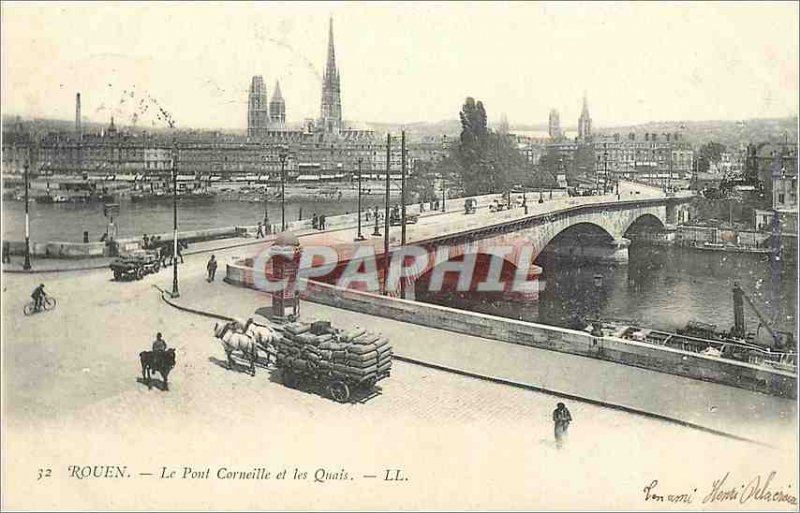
{"points": [[78, 130]]}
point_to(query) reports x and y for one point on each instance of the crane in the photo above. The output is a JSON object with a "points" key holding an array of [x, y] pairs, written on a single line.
{"points": [[780, 339]]}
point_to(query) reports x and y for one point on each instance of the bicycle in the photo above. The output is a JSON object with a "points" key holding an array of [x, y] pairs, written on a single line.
{"points": [[48, 303]]}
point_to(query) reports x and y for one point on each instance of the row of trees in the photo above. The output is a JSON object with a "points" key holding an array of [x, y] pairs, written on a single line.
{"points": [[483, 162]]}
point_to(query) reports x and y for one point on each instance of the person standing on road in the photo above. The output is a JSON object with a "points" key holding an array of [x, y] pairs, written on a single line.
{"points": [[212, 268], [6, 252], [561, 420], [260, 231]]}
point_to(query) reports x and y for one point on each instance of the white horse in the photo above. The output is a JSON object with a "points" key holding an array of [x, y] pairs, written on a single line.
{"points": [[264, 336], [232, 341]]}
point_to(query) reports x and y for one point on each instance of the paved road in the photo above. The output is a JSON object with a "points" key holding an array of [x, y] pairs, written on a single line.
{"points": [[71, 396]]}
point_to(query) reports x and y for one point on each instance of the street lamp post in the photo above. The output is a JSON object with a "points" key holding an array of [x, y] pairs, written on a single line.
{"points": [[283, 188], [403, 187], [27, 264], [266, 212], [175, 292], [386, 214], [359, 236]]}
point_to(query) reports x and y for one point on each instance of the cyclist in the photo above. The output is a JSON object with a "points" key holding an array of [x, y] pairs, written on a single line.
{"points": [[38, 296]]}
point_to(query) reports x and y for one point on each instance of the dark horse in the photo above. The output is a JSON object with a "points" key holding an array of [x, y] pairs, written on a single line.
{"points": [[157, 361], [166, 249]]}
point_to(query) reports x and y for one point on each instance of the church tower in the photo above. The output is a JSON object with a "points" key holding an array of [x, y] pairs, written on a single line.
{"points": [[554, 125], [585, 122], [331, 105], [257, 107], [277, 108]]}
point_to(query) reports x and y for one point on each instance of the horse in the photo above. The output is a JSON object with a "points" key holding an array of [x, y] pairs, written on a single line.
{"points": [[264, 336], [232, 341], [167, 248], [157, 361]]}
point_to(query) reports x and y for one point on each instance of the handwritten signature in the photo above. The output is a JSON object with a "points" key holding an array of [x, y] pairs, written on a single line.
{"points": [[758, 489]]}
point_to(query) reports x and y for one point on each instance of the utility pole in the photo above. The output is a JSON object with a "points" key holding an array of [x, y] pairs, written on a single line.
{"points": [[359, 236], [444, 184], [175, 292], [27, 264], [403, 187], [403, 202], [283, 187], [386, 212]]}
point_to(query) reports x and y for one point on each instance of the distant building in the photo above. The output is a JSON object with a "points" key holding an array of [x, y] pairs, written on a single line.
{"points": [[585, 122], [257, 108], [277, 109], [331, 102], [554, 125]]}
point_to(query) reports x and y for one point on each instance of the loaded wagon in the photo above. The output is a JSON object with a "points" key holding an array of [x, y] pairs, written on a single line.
{"points": [[135, 266], [343, 364], [396, 218]]}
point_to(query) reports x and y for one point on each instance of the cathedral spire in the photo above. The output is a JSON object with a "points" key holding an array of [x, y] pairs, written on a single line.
{"points": [[330, 65], [331, 104]]}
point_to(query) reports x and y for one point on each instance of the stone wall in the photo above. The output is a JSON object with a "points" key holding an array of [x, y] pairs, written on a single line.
{"points": [[628, 352]]}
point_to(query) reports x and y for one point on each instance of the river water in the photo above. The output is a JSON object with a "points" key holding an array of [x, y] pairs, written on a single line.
{"points": [[660, 287], [66, 222]]}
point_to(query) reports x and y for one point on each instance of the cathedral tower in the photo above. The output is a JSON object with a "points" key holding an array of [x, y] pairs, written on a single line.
{"points": [[257, 108], [277, 108], [331, 104], [585, 122]]}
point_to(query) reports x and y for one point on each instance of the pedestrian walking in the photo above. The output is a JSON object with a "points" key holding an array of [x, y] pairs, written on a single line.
{"points": [[260, 231], [6, 252], [561, 420], [145, 242], [322, 222], [212, 268], [315, 221]]}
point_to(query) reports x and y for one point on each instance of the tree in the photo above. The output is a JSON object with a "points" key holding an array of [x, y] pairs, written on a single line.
{"points": [[708, 153], [488, 162]]}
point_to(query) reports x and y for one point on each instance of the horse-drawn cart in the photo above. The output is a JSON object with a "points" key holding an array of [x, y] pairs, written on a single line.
{"points": [[339, 363], [135, 266]]}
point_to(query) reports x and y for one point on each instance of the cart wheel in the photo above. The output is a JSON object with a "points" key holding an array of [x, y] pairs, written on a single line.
{"points": [[339, 391], [289, 378], [117, 275], [369, 383], [156, 267]]}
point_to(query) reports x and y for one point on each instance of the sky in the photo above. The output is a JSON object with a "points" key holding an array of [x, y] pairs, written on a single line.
{"points": [[403, 62]]}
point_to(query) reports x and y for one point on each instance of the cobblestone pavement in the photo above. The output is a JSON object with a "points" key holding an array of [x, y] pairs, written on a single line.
{"points": [[71, 396]]}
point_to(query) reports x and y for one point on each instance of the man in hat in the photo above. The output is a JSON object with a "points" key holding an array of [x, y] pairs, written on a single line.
{"points": [[211, 267], [561, 420], [159, 344]]}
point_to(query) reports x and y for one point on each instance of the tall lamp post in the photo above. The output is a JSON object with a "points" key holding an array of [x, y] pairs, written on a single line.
{"points": [[360, 236], [175, 292], [27, 264], [266, 212], [282, 156], [386, 214]]}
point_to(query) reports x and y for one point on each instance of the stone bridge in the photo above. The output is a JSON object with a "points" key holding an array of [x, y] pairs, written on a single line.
{"points": [[500, 257]]}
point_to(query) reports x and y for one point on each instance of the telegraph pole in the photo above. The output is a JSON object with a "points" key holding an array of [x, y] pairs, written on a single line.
{"points": [[386, 212], [27, 264], [283, 155], [359, 236], [403, 187], [175, 292], [403, 203]]}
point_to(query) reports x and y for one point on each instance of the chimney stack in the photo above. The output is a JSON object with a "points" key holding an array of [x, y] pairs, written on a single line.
{"points": [[78, 130]]}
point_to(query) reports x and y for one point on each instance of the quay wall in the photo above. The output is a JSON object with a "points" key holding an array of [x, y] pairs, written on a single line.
{"points": [[628, 352]]}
